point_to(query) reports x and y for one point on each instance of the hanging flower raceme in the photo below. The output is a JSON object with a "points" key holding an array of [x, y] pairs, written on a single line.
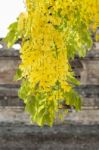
{"points": [[52, 33]]}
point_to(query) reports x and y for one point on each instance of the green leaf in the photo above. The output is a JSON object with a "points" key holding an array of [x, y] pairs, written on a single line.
{"points": [[18, 75], [12, 35], [73, 99], [24, 90], [71, 79]]}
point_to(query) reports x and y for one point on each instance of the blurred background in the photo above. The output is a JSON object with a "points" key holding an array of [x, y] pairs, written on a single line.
{"points": [[9, 11]]}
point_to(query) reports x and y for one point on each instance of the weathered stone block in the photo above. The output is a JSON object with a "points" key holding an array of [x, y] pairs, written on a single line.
{"points": [[60, 137], [8, 68]]}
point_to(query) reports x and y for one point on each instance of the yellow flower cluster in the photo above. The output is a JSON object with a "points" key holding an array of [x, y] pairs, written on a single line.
{"points": [[45, 30], [52, 33]]}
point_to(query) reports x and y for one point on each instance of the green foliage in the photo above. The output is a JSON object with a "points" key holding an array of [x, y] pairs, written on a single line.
{"points": [[12, 35], [77, 46], [18, 75], [73, 99], [72, 80], [41, 110]]}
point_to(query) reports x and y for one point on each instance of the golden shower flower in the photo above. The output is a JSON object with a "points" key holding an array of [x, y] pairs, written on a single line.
{"points": [[52, 33]]}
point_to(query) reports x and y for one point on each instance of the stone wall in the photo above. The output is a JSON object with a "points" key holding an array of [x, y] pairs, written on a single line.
{"points": [[14, 121]]}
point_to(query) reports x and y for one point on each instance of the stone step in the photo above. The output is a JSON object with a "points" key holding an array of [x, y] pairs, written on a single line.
{"points": [[9, 95], [59, 137], [18, 114], [13, 114]]}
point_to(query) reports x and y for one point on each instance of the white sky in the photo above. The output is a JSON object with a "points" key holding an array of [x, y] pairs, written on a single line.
{"points": [[9, 11]]}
